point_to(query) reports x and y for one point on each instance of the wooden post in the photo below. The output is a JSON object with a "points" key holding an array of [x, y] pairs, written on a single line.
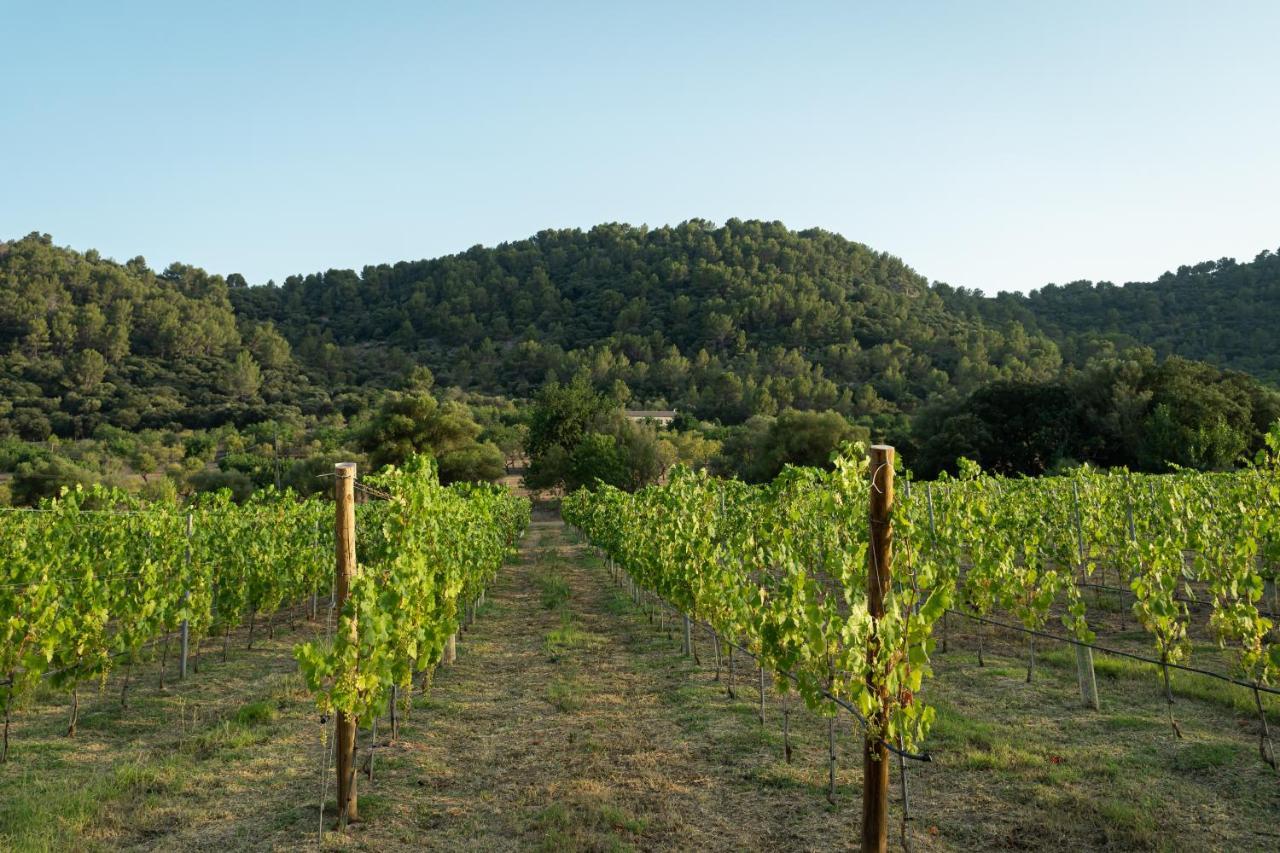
{"points": [[344, 497], [1075, 498], [762, 694], [933, 537], [186, 597], [875, 755], [1088, 681]]}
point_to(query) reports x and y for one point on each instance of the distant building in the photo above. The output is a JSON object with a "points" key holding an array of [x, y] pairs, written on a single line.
{"points": [[660, 416]]}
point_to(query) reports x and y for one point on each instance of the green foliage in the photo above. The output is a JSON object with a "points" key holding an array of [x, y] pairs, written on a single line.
{"points": [[726, 323], [578, 437], [475, 462], [562, 415], [86, 341], [413, 422], [1127, 412], [244, 377], [1223, 312], [782, 569], [597, 457], [159, 490], [423, 555], [38, 480], [96, 574], [236, 483], [758, 450], [723, 322]]}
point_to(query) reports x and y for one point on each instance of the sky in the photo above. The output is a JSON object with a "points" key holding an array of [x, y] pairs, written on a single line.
{"points": [[992, 145]]}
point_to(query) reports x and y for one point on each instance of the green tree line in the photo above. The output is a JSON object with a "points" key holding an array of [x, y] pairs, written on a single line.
{"points": [[772, 344]]}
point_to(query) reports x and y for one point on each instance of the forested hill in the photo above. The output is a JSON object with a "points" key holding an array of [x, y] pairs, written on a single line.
{"points": [[724, 321], [86, 341], [1222, 312]]}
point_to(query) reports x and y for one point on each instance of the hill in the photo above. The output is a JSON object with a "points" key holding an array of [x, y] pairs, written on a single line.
{"points": [[1222, 312], [726, 322], [86, 341]]}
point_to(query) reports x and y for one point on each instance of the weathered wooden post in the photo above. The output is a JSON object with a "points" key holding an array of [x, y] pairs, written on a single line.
{"points": [[1085, 676], [875, 755], [186, 597], [344, 497]]}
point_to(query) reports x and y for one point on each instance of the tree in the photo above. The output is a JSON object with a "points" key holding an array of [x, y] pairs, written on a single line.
{"points": [[478, 461], [597, 457], [561, 417], [510, 439], [758, 450], [647, 454], [87, 369], [563, 414], [1006, 427], [1194, 421], [244, 377], [407, 423], [46, 478], [270, 348]]}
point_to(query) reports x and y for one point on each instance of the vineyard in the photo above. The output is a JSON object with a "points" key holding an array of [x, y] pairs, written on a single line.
{"points": [[793, 575], [582, 711], [94, 578]]}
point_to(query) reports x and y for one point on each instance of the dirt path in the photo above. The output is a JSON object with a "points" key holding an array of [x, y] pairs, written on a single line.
{"points": [[569, 722]]}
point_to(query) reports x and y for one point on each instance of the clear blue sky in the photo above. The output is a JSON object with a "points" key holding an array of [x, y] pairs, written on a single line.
{"points": [[998, 145]]}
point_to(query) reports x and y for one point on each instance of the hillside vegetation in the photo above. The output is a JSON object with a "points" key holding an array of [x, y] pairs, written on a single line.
{"points": [[747, 318], [1222, 312], [733, 325]]}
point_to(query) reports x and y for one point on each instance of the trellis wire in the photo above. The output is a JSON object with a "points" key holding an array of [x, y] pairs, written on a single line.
{"points": [[1117, 652], [826, 694]]}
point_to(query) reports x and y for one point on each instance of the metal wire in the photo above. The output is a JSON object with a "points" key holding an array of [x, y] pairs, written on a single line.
{"points": [[62, 578], [924, 756], [1117, 652]]}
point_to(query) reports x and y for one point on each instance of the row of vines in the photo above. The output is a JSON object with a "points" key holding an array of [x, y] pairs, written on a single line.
{"points": [[782, 568], [423, 552], [91, 579]]}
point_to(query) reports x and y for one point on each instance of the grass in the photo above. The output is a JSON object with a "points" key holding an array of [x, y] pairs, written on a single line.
{"points": [[256, 713], [554, 589], [138, 772], [618, 603], [587, 826], [1206, 756], [566, 636], [1186, 685], [565, 695], [44, 813]]}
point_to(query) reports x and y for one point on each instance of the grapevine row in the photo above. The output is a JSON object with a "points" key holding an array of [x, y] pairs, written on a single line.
{"points": [[422, 553], [783, 567], [91, 578]]}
